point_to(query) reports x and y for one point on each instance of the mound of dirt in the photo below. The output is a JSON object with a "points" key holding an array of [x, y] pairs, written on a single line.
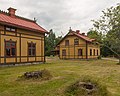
{"points": [[86, 88], [43, 74]]}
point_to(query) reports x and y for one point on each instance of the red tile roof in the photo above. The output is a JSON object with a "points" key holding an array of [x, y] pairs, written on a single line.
{"points": [[83, 37], [20, 22]]}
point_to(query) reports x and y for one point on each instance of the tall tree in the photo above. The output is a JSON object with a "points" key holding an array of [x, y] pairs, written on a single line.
{"points": [[95, 35], [57, 40], [109, 26], [98, 37], [50, 42]]}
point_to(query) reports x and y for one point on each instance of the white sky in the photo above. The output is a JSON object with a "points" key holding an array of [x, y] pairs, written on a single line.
{"points": [[59, 15]]}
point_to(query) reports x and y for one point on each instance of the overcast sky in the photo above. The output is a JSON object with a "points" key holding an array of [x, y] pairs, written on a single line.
{"points": [[59, 15]]}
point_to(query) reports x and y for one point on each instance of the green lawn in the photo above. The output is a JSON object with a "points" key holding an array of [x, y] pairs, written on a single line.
{"points": [[64, 72]]}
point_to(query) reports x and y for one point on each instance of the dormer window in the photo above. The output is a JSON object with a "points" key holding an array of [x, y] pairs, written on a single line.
{"points": [[8, 28]]}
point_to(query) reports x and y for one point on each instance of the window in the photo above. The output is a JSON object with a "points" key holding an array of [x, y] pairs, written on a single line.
{"points": [[97, 52], [90, 52], [80, 52], [7, 28], [10, 48], [31, 49], [94, 52], [64, 52], [12, 29], [76, 41], [66, 42]]}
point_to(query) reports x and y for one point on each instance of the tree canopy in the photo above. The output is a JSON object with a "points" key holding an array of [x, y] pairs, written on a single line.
{"points": [[50, 42], [94, 34], [106, 30]]}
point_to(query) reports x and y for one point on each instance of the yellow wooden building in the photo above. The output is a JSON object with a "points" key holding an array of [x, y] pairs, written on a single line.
{"points": [[76, 45], [21, 39]]}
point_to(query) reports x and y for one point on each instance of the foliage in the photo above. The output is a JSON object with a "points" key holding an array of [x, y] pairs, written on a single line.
{"points": [[99, 38], [87, 86], [58, 40], [99, 57], [50, 42], [109, 28], [95, 35], [106, 51]]}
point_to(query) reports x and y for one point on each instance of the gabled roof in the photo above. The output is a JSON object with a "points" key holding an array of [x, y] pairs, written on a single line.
{"points": [[79, 35], [83, 37], [20, 22]]}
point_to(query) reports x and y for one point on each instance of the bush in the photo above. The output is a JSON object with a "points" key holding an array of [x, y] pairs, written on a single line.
{"points": [[86, 86]]}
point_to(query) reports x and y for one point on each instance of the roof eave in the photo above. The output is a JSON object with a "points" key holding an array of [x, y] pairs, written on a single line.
{"points": [[23, 27]]}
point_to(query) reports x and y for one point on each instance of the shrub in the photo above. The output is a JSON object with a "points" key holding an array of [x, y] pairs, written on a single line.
{"points": [[99, 57], [86, 86]]}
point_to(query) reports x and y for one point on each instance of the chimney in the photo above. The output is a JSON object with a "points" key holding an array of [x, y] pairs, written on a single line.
{"points": [[77, 31], [11, 12], [70, 30], [83, 34]]}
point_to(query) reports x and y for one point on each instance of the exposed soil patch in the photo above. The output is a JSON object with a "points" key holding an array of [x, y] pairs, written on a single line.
{"points": [[86, 88]]}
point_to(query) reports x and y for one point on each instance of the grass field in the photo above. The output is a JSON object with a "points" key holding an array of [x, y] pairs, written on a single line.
{"points": [[65, 72]]}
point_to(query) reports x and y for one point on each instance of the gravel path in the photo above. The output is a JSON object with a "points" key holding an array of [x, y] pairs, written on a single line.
{"points": [[113, 59]]}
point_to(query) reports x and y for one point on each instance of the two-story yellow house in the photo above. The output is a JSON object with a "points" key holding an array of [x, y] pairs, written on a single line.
{"points": [[21, 39], [76, 45]]}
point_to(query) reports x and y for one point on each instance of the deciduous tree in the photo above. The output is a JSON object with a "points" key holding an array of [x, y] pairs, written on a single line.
{"points": [[109, 26]]}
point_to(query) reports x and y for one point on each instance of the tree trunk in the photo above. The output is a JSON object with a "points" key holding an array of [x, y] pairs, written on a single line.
{"points": [[114, 53]]}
